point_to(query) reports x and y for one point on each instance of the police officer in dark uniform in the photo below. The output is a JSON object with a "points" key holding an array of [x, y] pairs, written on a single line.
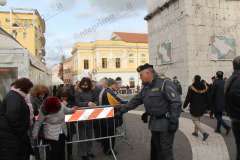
{"points": [[163, 105]]}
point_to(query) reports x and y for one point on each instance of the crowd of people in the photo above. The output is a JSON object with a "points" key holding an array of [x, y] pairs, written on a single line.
{"points": [[31, 112], [221, 97]]}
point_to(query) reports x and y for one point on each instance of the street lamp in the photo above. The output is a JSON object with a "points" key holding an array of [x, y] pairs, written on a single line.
{"points": [[3, 2]]}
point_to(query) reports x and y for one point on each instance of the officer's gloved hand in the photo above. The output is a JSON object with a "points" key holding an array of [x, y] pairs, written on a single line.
{"points": [[118, 114], [120, 108], [145, 117], [173, 126]]}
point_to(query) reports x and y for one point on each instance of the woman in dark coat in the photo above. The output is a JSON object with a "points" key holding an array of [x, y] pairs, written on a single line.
{"points": [[15, 122], [197, 97], [86, 96]]}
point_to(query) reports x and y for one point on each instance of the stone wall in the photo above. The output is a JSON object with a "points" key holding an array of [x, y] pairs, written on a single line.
{"points": [[195, 28]]}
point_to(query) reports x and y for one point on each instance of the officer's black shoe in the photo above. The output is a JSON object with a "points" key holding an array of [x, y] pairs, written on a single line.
{"points": [[109, 152], [195, 134], [217, 131], [205, 136], [228, 130], [91, 155], [144, 117], [70, 157], [85, 158]]}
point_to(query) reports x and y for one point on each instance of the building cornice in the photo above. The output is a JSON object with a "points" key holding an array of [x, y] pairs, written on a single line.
{"points": [[159, 9]]}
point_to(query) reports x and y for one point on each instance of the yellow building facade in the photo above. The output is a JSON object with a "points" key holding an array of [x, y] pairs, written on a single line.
{"points": [[115, 58], [28, 28]]}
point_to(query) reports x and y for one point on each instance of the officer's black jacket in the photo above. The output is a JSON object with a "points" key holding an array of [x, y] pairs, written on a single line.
{"points": [[232, 94], [159, 97]]}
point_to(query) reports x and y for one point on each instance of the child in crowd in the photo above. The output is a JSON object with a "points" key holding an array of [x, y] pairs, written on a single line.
{"points": [[52, 115]]}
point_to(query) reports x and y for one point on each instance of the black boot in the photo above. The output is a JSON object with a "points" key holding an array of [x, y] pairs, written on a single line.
{"points": [[195, 134], [85, 158], [205, 136]]}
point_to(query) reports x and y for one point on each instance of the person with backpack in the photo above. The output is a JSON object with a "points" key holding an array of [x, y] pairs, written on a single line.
{"points": [[197, 97]]}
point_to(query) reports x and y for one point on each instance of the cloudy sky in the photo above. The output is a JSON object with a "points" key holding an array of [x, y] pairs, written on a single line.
{"points": [[70, 21]]}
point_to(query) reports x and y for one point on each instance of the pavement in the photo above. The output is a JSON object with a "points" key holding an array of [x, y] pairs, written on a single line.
{"points": [[136, 144]]}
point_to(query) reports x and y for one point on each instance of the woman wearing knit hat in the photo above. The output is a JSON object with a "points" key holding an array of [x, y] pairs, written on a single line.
{"points": [[52, 115]]}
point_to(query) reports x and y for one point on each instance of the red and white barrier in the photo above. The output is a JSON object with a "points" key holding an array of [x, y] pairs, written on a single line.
{"points": [[90, 114]]}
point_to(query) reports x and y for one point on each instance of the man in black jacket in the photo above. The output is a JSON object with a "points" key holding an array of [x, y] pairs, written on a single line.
{"points": [[232, 94], [218, 101]]}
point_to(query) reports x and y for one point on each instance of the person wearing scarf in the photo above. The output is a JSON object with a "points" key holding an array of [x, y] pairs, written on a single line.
{"points": [[15, 121]]}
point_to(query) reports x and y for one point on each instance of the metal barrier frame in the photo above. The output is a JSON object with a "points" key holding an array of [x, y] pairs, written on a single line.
{"points": [[76, 123]]}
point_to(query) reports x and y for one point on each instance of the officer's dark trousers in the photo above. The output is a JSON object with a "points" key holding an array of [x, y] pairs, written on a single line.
{"points": [[162, 146], [236, 131]]}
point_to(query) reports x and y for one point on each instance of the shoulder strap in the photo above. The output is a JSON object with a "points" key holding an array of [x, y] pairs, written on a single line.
{"points": [[163, 85], [100, 96]]}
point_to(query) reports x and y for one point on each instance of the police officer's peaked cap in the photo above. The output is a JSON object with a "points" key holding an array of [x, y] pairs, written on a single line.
{"points": [[143, 67]]}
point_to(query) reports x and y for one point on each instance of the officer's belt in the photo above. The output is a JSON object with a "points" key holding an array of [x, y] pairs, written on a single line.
{"points": [[163, 116]]}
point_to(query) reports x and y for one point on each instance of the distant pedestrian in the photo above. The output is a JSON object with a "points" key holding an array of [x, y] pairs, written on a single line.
{"points": [[178, 85], [210, 108], [198, 99], [232, 94], [218, 101], [38, 94]]}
